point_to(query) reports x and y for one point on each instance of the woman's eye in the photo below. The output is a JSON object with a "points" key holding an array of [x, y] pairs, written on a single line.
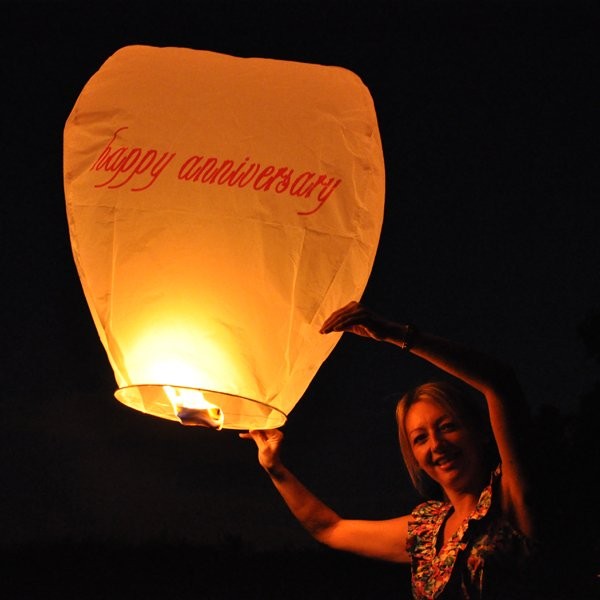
{"points": [[419, 439], [448, 426]]}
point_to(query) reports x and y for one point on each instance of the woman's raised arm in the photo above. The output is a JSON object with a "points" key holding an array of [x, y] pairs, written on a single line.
{"points": [[496, 381], [385, 540]]}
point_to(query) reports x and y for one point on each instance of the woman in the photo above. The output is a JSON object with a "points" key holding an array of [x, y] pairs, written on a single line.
{"points": [[473, 538]]}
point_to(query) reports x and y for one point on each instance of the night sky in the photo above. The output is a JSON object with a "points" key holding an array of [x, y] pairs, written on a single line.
{"points": [[489, 125]]}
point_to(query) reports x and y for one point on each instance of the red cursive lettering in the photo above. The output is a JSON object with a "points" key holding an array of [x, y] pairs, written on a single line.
{"points": [[125, 163], [139, 168], [309, 185]]}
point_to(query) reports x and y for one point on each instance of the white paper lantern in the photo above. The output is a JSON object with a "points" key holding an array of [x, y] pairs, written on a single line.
{"points": [[220, 208]]}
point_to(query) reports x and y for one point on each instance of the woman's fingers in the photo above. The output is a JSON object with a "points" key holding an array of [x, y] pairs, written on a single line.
{"points": [[353, 318], [339, 319], [262, 436], [252, 434]]}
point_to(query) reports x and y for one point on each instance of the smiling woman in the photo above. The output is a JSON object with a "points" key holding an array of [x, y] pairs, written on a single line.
{"points": [[454, 414], [474, 535]]}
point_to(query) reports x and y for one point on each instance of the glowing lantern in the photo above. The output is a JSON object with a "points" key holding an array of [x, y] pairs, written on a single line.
{"points": [[220, 208]]}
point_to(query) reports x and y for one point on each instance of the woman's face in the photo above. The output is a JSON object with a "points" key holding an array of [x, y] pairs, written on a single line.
{"points": [[442, 446]]}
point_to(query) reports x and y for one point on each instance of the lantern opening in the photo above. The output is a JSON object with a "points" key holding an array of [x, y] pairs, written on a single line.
{"points": [[201, 407]]}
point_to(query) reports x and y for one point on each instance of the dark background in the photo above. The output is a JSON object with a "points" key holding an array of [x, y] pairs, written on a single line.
{"points": [[488, 113]]}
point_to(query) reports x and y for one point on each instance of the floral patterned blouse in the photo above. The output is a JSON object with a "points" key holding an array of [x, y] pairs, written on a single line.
{"points": [[486, 557]]}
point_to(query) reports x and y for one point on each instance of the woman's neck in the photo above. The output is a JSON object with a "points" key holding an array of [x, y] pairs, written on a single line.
{"points": [[464, 499], [462, 503]]}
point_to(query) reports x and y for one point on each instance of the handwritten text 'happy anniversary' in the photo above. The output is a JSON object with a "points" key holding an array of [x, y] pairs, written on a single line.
{"points": [[139, 169]]}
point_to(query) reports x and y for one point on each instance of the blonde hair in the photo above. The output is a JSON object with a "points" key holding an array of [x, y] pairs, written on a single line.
{"points": [[463, 407]]}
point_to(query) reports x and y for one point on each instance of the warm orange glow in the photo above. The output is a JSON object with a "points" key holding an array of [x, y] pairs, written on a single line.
{"points": [[161, 354], [191, 407], [219, 209]]}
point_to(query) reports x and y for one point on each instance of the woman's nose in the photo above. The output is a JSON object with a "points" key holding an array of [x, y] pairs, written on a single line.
{"points": [[437, 440]]}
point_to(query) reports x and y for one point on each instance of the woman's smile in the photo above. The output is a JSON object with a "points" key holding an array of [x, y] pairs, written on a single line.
{"points": [[446, 462]]}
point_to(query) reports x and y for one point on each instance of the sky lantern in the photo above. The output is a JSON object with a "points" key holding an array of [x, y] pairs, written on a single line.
{"points": [[219, 209]]}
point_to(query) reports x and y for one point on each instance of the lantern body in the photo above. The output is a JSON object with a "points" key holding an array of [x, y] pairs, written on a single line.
{"points": [[219, 209]]}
